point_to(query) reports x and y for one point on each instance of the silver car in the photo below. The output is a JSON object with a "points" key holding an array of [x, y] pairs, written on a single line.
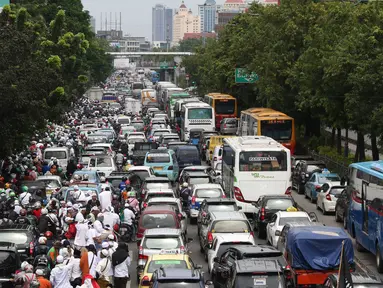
{"points": [[229, 126]]}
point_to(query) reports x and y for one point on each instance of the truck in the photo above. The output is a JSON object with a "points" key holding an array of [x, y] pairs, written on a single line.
{"points": [[132, 106], [94, 94], [314, 252]]}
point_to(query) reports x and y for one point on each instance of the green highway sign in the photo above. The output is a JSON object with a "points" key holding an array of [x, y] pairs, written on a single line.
{"points": [[164, 65], [242, 76]]}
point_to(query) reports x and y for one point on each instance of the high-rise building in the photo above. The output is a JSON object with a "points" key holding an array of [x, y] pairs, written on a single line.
{"points": [[208, 15], [228, 11], [184, 22], [93, 24], [162, 23]]}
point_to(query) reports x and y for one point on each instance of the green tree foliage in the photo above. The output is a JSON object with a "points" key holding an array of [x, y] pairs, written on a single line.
{"points": [[49, 58], [318, 62]]}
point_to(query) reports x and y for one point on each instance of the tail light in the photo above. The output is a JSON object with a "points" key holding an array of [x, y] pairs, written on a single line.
{"points": [[145, 205], [288, 191], [141, 253], [170, 168], [180, 215], [288, 272], [182, 249], [328, 197], [142, 195], [252, 233], [223, 196], [238, 194], [193, 200], [31, 248], [215, 159], [263, 214], [224, 126], [210, 237], [145, 281]]}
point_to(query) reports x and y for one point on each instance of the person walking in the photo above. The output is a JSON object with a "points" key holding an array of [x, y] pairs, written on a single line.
{"points": [[121, 262]]}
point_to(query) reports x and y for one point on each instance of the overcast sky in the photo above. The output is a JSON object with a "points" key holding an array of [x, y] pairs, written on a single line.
{"points": [[136, 14]]}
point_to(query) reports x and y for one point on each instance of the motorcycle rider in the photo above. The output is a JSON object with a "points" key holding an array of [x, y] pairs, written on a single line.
{"points": [[23, 219], [128, 218], [122, 184], [133, 202], [185, 194], [120, 158], [25, 197]]}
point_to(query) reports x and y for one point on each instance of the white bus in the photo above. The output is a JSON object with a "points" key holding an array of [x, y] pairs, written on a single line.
{"points": [[196, 115], [253, 166]]}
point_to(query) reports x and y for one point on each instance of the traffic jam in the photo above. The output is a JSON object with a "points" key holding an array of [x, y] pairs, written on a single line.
{"points": [[147, 184]]}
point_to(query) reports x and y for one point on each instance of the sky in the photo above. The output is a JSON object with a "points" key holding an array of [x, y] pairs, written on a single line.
{"points": [[136, 14]]}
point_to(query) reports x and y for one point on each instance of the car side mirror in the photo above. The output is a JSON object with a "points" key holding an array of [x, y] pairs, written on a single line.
{"points": [[277, 233]]}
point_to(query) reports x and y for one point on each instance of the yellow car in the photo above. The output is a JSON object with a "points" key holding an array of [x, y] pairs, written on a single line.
{"points": [[167, 261]]}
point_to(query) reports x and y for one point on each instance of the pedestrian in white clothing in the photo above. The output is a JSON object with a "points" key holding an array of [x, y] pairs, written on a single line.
{"points": [[60, 275], [103, 268], [81, 234], [105, 198], [92, 260]]}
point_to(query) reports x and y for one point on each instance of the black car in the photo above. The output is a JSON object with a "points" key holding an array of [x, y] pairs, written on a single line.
{"points": [[9, 262], [295, 159], [175, 144], [23, 236], [139, 152], [359, 280], [341, 207], [216, 205], [237, 266], [266, 207], [177, 277], [303, 171], [115, 179]]}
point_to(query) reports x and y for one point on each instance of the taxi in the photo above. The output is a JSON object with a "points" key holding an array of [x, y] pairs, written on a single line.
{"points": [[163, 162], [157, 261]]}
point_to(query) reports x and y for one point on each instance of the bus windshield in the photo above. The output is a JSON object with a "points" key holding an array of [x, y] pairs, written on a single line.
{"points": [[200, 113], [263, 161], [224, 106], [277, 129]]}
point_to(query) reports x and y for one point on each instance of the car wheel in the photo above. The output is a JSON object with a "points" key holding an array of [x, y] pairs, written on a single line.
{"points": [[324, 210], [337, 217], [379, 260]]}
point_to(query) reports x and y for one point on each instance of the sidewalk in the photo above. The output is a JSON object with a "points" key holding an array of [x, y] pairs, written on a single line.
{"points": [[353, 137]]}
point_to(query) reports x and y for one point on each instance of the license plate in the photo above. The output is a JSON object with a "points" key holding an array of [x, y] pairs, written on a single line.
{"points": [[164, 251], [157, 168], [189, 164]]}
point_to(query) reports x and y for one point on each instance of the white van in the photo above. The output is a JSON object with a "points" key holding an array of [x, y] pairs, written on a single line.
{"points": [[217, 156], [60, 153]]}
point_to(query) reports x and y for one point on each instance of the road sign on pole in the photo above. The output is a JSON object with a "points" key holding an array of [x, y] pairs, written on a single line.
{"points": [[242, 76], [164, 65]]}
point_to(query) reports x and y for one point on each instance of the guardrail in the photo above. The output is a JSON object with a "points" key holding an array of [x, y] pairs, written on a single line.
{"points": [[334, 166]]}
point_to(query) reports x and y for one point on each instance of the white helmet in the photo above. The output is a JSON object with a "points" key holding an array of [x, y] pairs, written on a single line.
{"points": [[42, 240], [185, 185]]}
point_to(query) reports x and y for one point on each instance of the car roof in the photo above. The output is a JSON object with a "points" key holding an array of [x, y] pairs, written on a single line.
{"points": [[164, 199], [219, 200], [159, 209], [257, 265], [228, 215], [233, 238], [160, 190], [197, 174], [188, 147], [196, 168], [169, 256], [257, 249], [157, 179], [276, 196], [162, 232], [16, 227], [363, 278], [133, 168], [207, 186], [285, 214], [52, 177], [303, 223]]}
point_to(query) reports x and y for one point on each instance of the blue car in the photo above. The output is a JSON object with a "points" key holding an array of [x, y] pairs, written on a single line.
{"points": [[93, 176], [317, 179], [163, 162]]}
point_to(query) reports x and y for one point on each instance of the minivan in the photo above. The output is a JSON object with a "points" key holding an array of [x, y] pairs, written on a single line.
{"points": [[60, 153], [163, 162], [187, 155]]}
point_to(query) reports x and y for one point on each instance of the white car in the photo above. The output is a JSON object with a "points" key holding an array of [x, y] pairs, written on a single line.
{"points": [[224, 241], [201, 192], [104, 145], [142, 171], [104, 164], [217, 156], [327, 196], [137, 134], [279, 220]]}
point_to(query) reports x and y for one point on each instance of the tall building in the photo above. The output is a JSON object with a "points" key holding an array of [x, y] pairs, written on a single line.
{"points": [[208, 15], [228, 11], [184, 22], [93, 24], [162, 23]]}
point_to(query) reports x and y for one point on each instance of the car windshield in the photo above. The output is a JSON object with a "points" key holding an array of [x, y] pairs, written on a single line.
{"points": [[312, 168], [50, 183], [96, 139], [158, 158], [330, 178], [162, 243], [104, 162], [168, 140], [279, 204], [264, 280], [141, 173], [124, 121], [200, 180], [285, 220], [263, 161], [178, 283], [137, 86], [159, 133], [336, 191], [224, 246], [14, 237], [158, 221], [221, 208], [208, 193], [159, 195], [231, 226], [155, 185], [157, 264], [187, 153], [55, 154]]}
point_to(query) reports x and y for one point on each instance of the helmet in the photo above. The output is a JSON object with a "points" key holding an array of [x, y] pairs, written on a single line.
{"points": [[102, 179], [59, 170], [185, 185], [37, 205], [7, 185], [16, 202], [12, 194], [48, 234], [115, 197], [44, 211], [132, 194], [23, 212], [24, 188], [85, 177], [130, 162], [42, 239]]}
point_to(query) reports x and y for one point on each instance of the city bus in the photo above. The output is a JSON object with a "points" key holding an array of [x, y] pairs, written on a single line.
{"points": [[171, 101], [253, 166], [196, 115], [225, 106], [364, 218], [268, 122]]}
